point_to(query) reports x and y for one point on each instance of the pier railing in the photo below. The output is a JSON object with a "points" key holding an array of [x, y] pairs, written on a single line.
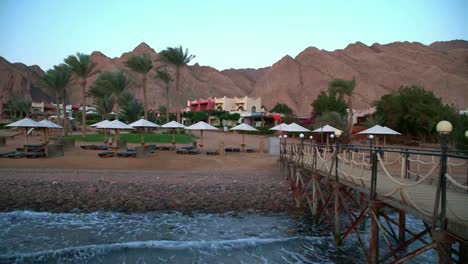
{"points": [[429, 184]]}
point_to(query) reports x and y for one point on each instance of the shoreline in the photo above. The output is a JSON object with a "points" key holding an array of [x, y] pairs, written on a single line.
{"points": [[72, 190]]}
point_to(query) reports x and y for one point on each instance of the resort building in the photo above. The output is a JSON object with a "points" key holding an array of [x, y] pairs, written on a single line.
{"points": [[201, 105], [238, 105]]}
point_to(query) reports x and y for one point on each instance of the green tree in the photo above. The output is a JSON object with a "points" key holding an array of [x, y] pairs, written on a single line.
{"points": [[329, 103], [200, 116], [57, 80], [164, 76], [179, 59], [111, 84], [332, 118], [82, 67], [19, 107], [282, 109], [132, 109], [104, 105], [413, 110], [342, 87], [141, 64]]}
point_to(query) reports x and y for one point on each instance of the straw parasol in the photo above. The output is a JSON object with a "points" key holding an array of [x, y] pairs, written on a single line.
{"points": [[143, 123], [293, 127], [26, 123], [117, 125], [379, 130], [48, 125], [102, 123], [173, 125], [279, 127], [243, 127], [325, 129], [201, 126]]}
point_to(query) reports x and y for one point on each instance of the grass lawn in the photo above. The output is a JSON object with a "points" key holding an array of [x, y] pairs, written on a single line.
{"points": [[136, 138]]}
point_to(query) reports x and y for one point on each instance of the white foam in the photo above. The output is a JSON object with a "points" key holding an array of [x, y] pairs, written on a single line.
{"points": [[158, 244]]}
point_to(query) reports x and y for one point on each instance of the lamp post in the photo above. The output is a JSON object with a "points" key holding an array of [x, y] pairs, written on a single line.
{"points": [[443, 128], [336, 135], [371, 138], [312, 139], [301, 136]]}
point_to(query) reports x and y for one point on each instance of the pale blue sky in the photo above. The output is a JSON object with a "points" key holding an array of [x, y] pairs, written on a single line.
{"points": [[222, 34]]}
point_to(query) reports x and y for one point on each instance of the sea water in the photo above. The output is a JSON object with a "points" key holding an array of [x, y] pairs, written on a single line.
{"points": [[103, 237]]}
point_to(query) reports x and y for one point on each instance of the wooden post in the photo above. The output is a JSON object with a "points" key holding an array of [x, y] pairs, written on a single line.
{"points": [[401, 226], [315, 199], [443, 246], [337, 228], [374, 235], [463, 249], [142, 137]]}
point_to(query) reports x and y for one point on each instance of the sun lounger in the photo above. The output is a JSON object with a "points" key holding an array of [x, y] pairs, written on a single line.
{"points": [[126, 154], [165, 147], [16, 155], [212, 152], [250, 150], [152, 148], [106, 154], [5, 154], [95, 147], [193, 151], [231, 149], [181, 151], [35, 155]]}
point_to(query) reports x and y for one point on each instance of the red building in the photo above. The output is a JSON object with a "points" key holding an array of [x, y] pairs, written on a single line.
{"points": [[201, 105]]}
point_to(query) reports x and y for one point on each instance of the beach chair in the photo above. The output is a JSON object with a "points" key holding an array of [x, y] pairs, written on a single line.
{"points": [[166, 147], [152, 148], [106, 154], [35, 155], [181, 151], [16, 155], [250, 150], [193, 151], [5, 154], [228, 149], [212, 152], [126, 154]]}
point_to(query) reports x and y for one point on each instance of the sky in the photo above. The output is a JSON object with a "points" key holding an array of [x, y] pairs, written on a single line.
{"points": [[222, 34]]}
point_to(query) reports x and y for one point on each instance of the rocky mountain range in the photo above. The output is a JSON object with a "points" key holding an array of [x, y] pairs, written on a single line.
{"points": [[441, 67]]}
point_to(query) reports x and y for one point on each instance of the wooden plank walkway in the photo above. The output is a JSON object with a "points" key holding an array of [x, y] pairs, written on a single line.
{"points": [[404, 194]]}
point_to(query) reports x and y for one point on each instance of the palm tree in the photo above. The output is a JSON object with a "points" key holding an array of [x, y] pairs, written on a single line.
{"points": [[110, 83], [141, 64], [164, 75], [178, 58], [342, 87], [49, 81], [104, 105], [82, 66], [57, 79]]}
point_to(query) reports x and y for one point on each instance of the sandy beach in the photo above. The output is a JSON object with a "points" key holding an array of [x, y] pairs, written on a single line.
{"points": [[165, 181]]}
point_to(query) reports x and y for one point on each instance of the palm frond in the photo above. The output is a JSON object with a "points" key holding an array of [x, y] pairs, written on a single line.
{"points": [[140, 63], [80, 64], [176, 56]]}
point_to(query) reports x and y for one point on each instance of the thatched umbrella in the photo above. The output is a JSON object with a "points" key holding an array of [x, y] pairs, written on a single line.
{"points": [[117, 125], [143, 123], [26, 123], [325, 129], [244, 127], [173, 125], [102, 123], [201, 126]]}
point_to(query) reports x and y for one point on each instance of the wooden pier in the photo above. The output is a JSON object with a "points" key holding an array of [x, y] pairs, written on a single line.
{"points": [[344, 185]]}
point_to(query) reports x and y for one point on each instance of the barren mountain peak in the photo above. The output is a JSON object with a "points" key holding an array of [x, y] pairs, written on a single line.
{"points": [[143, 48]]}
